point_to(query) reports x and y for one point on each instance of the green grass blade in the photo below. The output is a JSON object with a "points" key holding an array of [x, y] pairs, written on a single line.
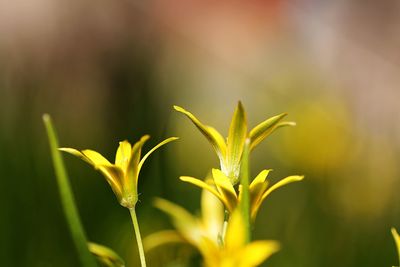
{"points": [[244, 181], [67, 198]]}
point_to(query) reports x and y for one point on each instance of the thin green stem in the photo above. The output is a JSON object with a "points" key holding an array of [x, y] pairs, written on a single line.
{"points": [[244, 182], [138, 237], [67, 198]]}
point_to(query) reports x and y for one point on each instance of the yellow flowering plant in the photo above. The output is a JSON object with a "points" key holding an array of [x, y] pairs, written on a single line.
{"points": [[230, 152], [202, 234], [259, 189], [229, 202], [234, 167], [123, 175], [228, 243]]}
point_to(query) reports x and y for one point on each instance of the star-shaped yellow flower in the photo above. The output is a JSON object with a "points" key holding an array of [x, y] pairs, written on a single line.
{"points": [[226, 193], [236, 252], [230, 152], [124, 173], [190, 229], [202, 233]]}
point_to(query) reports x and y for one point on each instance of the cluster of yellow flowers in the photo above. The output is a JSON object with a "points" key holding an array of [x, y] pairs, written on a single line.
{"points": [[229, 203], [220, 235]]}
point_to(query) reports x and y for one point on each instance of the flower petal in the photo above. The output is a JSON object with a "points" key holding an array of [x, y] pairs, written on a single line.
{"points": [[235, 142], [205, 186], [235, 234], [212, 212], [257, 252], [213, 136], [225, 188], [95, 157], [262, 130], [76, 153], [114, 176], [123, 155], [286, 123], [260, 178], [285, 181], [131, 179], [186, 224], [257, 188], [106, 255], [166, 141], [161, 238]]}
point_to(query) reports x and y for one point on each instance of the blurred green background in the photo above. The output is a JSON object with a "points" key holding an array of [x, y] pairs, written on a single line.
{"points": [[111, 70]]}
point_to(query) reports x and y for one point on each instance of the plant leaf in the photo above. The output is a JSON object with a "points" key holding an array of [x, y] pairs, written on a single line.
{"points": [[67, 198], [396, 238]]}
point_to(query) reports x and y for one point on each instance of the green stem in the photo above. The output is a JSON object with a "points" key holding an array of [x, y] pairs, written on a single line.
{"points": [[138, 237], [67, 198], [244, 181]]}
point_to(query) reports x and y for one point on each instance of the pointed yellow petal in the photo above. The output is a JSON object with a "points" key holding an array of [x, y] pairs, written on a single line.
{"points": [[95, 157], [211, 253], [256, 199], [184, 222], [72, 151], [396, 240], [212, 212], [161, 238], [106, 255], [114, 176], [131, 178], [262, 130], [205, 186], [257, 188], [260, 178], [123, 155], [257, 252], [285, 181], [166, 141], [216, 140], [76, 153], [235, 142], [235, 234], [286, 123], [225, 188]]}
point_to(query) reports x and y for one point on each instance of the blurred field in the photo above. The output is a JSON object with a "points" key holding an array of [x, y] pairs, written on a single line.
{"points": [[111, 70]]}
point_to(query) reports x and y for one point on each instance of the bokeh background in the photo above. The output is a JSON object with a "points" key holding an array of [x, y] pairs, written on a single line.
{"points": [[110, 70]]}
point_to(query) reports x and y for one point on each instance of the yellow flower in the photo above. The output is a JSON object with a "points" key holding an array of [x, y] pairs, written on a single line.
{"points": [[191, 229], [230, 152], [204, 234], [124, 173], [236, 252], [397, 241], [226, 193]]}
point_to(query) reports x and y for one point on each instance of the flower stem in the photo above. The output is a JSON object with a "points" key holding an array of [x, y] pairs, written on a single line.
{"points": [[138, 237], [244, 181]]}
